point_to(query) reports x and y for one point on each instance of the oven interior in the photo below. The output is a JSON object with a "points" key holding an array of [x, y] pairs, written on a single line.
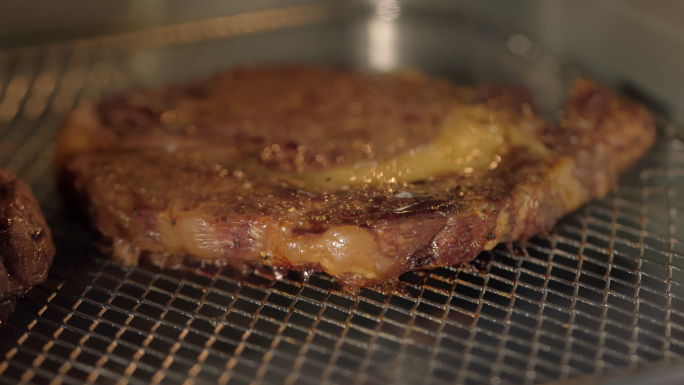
{"points": [[597, 301]]}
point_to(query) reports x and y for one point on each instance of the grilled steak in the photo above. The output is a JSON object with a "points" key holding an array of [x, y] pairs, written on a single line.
{"points": [[361, 176], [26, 248]]}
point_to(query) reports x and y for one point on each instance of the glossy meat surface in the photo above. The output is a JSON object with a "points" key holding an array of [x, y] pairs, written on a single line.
{"points": [[356, 175], [26, 248]]}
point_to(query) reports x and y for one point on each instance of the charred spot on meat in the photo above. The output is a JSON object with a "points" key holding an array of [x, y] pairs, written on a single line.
{"points": [[26, 248], [362, 176]]}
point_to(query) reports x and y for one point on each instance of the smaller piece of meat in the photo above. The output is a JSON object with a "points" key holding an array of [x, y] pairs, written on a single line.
{"points": [[26, 248]]}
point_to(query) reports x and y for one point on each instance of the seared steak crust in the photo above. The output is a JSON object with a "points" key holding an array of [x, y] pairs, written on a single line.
{"points": [[26, 248], [210, 171]]}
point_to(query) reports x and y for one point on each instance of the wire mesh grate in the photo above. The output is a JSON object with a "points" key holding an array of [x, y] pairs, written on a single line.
{"points": [[603, 292]]}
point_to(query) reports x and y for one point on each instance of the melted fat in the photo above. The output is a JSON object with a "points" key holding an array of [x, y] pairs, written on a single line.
{"points": [[471, 138], [340, 250]]}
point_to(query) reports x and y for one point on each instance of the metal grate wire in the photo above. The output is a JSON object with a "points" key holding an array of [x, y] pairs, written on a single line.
{"points": [[602, 294]]}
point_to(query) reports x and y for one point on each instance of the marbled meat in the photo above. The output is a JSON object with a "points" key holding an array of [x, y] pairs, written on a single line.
{"points": [[362, 176]]}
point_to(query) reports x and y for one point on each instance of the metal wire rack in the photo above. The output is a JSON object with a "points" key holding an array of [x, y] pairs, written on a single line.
{"points": [[603, 294]]}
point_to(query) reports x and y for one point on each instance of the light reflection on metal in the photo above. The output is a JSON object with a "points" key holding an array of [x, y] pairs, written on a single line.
{"points": [[382, 36], [243, 23], [42, 89], [16, 89], [189, 32], [388, 10], [519, 44]]}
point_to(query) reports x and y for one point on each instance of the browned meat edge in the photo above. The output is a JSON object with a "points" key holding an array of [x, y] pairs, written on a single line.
{"points": [[26, 248]]}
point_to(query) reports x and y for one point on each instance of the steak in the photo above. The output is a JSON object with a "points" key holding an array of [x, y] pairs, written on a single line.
{"points": [[26, 248], [362, 176]]}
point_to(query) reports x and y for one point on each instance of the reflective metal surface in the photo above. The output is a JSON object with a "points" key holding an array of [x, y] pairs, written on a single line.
{"points": [[602, 295]]}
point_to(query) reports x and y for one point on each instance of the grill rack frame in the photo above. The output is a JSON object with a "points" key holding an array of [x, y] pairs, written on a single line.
{"points": [[607, 285]]}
